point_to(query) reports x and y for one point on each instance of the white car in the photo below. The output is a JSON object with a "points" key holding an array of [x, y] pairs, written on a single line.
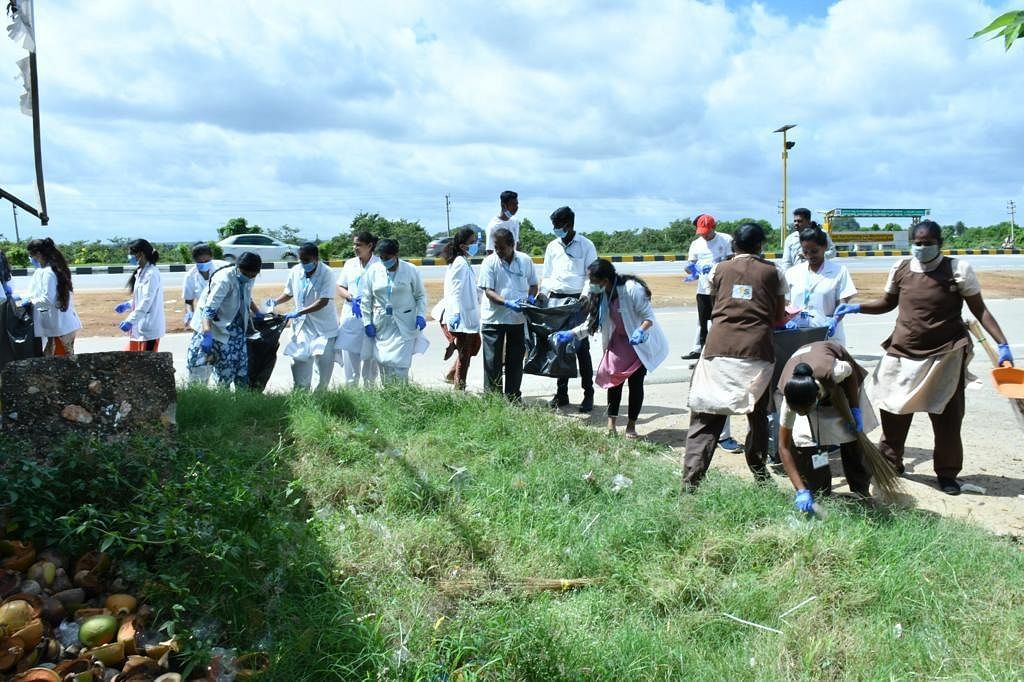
{"points": [[267, 248]]}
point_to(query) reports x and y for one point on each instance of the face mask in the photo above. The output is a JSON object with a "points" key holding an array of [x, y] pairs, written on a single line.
{"points": [[925, 254], [243, 278], [390, 263], [132, 260], [596, 289], [309, 267], [507, 213], [204, 267], [560, 233], [473, 248], [34, 262]]}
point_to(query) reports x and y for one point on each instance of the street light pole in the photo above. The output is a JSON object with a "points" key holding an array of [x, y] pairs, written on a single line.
{"points": [[1012, 209], [786, 146]]}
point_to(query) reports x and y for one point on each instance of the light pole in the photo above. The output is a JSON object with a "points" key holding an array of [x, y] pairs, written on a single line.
{"points": [[1011, 208], [786, 146]]}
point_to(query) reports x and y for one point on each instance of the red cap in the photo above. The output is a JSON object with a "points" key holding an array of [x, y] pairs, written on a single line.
{"points": [[705, 224]]}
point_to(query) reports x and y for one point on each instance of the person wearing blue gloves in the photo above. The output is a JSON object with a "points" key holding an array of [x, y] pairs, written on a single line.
{"points": [[924, 368], [394, 309], [356, 348], [461, 304], [811, 427], [313, 320], [220, 327], [198, 277], [633, 341], [508, 280], [144, 324], [51, 296]]}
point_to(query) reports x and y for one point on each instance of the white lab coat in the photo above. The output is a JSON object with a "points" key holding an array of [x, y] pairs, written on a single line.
{"points": [[147, 314], [461, 296], [313, 334], [397, 338], [224, 297], [634, 307], [351, 337], [48, 318], [194, 282]]}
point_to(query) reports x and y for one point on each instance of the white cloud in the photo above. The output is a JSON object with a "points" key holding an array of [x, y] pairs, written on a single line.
{"points": [[166, 119]]}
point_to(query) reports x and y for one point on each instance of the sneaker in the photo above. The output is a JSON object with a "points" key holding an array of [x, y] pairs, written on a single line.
{"points": [[950, 486], [588, 403], [558, 401], [692, 355], [730, 445]]}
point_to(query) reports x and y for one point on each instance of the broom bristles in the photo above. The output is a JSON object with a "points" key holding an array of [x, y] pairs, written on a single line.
{"points": [[885, 478]]}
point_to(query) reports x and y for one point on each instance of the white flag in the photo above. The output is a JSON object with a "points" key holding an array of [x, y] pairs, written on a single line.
{"points": [[24, 26], [26, 78]]}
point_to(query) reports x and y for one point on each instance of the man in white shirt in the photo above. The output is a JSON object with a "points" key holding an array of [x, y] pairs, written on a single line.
{"points": [[708, 248], [565, 277], [508, 207], [508, 279], [792, 253]]}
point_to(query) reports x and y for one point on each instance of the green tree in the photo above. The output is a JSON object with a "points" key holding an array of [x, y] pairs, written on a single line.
{"points": [[532, 240], [1009, 26], [287, 234], [411, 236], [237, 226]]}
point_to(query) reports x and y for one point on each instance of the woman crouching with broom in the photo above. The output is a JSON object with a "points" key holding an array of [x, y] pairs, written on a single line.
{"points": [[824, 406]]}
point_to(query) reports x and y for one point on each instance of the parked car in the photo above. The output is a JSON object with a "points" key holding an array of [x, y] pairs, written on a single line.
{"points": [[436, 246], [267, 248]]}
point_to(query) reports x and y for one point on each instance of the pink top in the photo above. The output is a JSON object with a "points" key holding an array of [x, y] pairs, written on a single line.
{"points": [[620, 359]]}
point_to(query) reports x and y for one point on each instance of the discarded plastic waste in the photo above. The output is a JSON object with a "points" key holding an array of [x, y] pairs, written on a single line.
{"points": [[972, 488], [620, 482]]}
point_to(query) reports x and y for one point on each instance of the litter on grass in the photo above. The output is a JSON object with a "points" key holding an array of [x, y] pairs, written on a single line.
{"points": [[972, 488], [620, 483]]}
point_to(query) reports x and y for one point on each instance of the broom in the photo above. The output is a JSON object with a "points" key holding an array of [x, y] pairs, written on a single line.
{"points": [[1016, 405], [885, 477]]}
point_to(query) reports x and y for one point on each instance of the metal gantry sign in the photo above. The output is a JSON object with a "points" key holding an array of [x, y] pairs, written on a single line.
{"points": [[23, 30]]}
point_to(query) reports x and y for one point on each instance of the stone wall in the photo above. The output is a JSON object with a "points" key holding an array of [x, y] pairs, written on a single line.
{"points": [[107, 395]]}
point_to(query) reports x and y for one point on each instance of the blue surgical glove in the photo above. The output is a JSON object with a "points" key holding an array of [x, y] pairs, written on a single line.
{"points": [[564, 337], [123, 307], [705, 269], [206, 345], [833, 322], [370, 330], [804, 501], [858, 420], [125, 326], [292, 315], [532, 300], [421, 322], [357, 308], [258, 315], [638, 336], [844, 309], [454, 323], [188, 315], [1005, 356], [791, 325], [691, 270], [514, 305]]}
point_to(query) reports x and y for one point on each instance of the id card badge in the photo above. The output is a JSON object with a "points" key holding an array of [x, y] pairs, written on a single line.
{"points": [[388, 310], [819, 460], [744, 292]]}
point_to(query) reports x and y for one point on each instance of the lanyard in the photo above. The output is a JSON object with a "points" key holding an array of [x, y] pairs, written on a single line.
{"points": [[391, 285], [810, 283], [305, 289], [507, 267]]}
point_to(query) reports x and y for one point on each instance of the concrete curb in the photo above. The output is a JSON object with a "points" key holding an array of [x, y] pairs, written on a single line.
{"points": [[638, 258]]}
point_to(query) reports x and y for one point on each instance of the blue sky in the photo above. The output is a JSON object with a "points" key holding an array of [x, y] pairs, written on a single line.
{"points": [[163, 120]]}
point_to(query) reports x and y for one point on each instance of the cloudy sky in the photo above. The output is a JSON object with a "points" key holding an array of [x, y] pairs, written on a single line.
{"points": [[164, 119]]}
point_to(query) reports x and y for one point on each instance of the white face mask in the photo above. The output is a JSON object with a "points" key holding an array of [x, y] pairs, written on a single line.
{"points": [[925, 253]]}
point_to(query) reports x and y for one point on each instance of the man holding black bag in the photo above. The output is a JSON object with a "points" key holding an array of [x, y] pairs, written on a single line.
{"points": [[565, 276]]}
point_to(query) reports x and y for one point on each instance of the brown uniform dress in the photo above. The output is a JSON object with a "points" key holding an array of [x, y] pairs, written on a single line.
{"points": [[742, 321], [929, 324], [821, 358]]}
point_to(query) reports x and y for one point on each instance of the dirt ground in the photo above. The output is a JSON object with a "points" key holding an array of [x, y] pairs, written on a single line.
{"points": [[96, 308]]}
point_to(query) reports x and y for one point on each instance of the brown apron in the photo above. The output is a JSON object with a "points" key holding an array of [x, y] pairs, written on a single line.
{"points": [[744, 312], [929, 322], [821, 357]]}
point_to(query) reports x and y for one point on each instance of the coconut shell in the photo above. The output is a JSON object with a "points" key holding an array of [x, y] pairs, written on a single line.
{"points": [[121, 604], [18, 555], [53, 611], [252, 664], [37, 675], [107, 654], [78, 665], [143, 666], [11, 651], [15, 613], [31, 634]]}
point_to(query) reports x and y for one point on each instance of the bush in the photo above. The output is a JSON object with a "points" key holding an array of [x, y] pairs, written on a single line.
{"points": [[184, 251], [17, 255]]}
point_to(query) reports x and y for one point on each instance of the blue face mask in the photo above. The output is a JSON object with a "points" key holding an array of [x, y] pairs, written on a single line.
{"points": [[204, 267], [34, 262], [309, 267], [926, 253], [132, 260], [389, 263], [507, 213], [243, 278], [560, 233], [473, 248]]}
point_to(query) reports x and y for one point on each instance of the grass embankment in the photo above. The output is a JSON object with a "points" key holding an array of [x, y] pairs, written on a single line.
{"points": [[405, 533]]}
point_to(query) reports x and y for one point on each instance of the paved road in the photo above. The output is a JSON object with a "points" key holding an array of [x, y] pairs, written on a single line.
{"points": [[864, 333], [436, 272]]}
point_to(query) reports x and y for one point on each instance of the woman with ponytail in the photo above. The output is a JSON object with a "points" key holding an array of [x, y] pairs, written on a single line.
{"points": [[50, 294], [461, 304], [145, 324], [620, 308], [810, 426]]}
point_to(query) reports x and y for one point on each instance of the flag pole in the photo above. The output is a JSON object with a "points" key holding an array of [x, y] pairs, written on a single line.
{"points": [[37, 140]]}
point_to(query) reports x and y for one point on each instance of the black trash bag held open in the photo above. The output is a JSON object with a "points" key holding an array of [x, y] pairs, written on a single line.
{"points": [[543, 358], [262, 342], [19, 340]]}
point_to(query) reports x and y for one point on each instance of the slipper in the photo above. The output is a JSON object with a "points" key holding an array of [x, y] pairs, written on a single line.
{"points": [[449, 351], [632, 435]]}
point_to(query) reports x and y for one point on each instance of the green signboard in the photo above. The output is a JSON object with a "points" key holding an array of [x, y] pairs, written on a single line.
{"points": [[882, 212]]}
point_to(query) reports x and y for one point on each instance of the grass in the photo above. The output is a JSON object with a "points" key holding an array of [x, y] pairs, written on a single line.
{"points": [[402, 534]]}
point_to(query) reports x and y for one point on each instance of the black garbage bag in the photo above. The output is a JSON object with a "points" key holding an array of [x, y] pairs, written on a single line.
{"points": [[787, 342], [18, 340], [263, 341], [543, 357]]}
